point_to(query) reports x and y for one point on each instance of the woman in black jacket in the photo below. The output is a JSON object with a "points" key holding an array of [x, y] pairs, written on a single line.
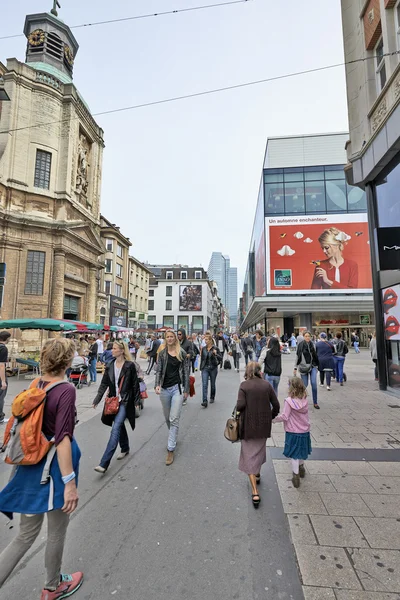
{"points": [[271, 358], [211, 357], [120, 378], [307, 364]]}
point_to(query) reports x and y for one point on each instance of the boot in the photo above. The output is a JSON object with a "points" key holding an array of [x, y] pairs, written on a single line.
{"points": [[170, 458], [302, 471], [296, 480]]}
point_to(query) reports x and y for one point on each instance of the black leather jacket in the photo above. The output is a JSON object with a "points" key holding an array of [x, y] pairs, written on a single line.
{"points": [[162, 367], [215, 359]]}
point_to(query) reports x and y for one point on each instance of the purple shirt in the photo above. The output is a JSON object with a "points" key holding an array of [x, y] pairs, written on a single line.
{"points": [[60, 412]]}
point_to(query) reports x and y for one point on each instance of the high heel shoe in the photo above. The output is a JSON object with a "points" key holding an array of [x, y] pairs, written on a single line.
{"points": [[256, 500]]}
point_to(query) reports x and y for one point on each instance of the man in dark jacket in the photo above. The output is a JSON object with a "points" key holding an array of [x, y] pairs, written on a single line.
{"points": [[152, 352], [222, 346], [186, 345]]}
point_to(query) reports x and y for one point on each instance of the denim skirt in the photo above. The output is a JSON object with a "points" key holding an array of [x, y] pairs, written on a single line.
{"points": [[297, 445]]}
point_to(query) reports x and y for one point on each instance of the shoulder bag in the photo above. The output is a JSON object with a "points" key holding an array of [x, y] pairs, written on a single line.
{"points": [[305, 367], [111, 406], [232, 427]]}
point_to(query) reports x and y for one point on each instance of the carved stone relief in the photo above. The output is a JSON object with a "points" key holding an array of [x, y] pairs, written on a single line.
{"points": [[82, 167], [379, 115]]}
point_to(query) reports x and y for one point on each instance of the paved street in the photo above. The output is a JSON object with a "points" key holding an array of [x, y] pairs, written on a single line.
{"points": [[190, 530]]}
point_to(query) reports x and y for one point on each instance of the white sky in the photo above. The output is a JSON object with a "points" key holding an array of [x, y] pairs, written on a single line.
{"points": [[181, 179]]}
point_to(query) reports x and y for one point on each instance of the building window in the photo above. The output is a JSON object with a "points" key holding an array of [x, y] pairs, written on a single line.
{"points": [[168, 321], [34, 279], [108, 263], [168, 290], [183, 274], [197, 274], [119, 270], [151, 304], [397, 23], [109, 245], [380, 66], [42, 169], [169, 274], [107, 287], [151, 293], [168, 305], [118, 290], [151, 321], [120, 251]]}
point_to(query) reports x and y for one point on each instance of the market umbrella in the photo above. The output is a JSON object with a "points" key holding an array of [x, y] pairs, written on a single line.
{"points": [[44, 324]]}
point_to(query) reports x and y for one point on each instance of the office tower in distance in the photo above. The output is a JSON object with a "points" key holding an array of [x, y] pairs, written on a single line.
{"points": [[225, 276]]}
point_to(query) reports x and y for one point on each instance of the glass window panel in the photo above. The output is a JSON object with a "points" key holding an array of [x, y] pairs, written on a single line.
{"points": [[334, 172], [197, 323], [273, 175], [294, 198], [314, 174], [274, 199], [168, 321], [356, 199], [168, 305], [34, 278], [336, 200], [294, 175], [42, 169], [315, 197], [388, 199]]}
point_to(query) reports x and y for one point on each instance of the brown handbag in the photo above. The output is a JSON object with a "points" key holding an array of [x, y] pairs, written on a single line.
{"points": [[232, 427], [111, 405]]}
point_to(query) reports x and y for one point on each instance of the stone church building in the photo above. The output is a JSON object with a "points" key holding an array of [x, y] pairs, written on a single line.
{"points": [[50, 178]]}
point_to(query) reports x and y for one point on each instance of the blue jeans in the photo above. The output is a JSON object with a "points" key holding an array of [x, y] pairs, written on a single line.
{"points": [[171, 402], [356, 348], [92, 370], [339, 367], [274, 381], [312, 377], [209, 374], [118, 434]]}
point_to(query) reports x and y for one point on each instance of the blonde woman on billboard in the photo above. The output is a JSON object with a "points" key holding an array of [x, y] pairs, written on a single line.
{"points": [[335, 271]]}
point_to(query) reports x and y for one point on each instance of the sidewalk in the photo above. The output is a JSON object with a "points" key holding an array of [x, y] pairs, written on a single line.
{"points": [[345, 518]]}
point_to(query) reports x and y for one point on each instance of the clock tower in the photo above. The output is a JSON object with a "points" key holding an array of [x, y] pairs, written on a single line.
{"points": [[50, 41]]}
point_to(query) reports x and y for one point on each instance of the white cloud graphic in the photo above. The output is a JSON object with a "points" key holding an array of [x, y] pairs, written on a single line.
{"points": [[342, 237], [286, 251], [308, 241], [298, 235]]}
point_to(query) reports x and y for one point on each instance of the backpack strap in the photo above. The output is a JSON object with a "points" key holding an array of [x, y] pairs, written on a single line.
{"points": [[46, 471]]}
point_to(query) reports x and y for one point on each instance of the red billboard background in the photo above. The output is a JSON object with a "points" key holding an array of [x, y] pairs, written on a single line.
{"points": [[294, 254]]}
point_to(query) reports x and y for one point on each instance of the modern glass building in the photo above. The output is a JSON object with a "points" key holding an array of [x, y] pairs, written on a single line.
{"points": [[306, 212], [225, 276]]}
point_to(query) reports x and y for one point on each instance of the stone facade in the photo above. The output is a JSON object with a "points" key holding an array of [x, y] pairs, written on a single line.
{"points": [[49, 210], [138, 292]]}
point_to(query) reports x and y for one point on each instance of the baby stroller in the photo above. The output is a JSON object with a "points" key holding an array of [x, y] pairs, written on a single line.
{"points": [[79, 376]]}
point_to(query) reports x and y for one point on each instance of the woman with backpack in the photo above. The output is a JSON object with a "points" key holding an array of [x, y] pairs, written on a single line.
{"points": [[271, 358], [121, 380], [307, 365], [50, 485]]}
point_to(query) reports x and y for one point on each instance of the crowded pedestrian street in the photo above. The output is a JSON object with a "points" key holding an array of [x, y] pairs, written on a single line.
{"points": [[189, 530]]}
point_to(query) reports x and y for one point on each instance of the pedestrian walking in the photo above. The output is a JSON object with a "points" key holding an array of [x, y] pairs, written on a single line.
{"points": [[374, 355], [236, 351], [152, 352], [121, 380], [255, 399], [340, 356], [34, 493], [186, 345], [326, 363], [4, 339], [222, 346], [248, 348], [293, 341], [196, 352], [296, 423], [271, 359], [107, 354], [210, 358], [93, 353], [307, 365], [356, 342], [100, 348], [261, 341], [172, 385]]}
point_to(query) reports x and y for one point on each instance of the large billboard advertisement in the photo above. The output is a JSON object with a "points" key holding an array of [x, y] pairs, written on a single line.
{"points": [[391, 309], [190, 297], [317, 254]]}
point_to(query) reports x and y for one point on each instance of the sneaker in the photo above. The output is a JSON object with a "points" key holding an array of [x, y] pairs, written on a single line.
{"points": [[328, 388], [204, 404], [212, 400], [69, 584], [184, 403], [302, 471], [3, 420], [321, 385], [122, 455], [296, 480], [100, 469]]}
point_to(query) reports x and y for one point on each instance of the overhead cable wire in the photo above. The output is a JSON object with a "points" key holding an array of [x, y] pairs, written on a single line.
{"points": [[209, 92], [146, 16]]}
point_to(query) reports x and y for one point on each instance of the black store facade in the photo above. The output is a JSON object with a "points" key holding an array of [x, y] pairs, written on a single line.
{"points": [[378, 172]]}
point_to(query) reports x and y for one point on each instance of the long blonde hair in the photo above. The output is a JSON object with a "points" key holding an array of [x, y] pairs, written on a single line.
{"points": [[178, 349], [124, 346]]}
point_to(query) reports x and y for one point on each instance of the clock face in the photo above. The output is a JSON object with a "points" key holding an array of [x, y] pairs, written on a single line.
{"points": [[69, 57], [36, 38]]}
